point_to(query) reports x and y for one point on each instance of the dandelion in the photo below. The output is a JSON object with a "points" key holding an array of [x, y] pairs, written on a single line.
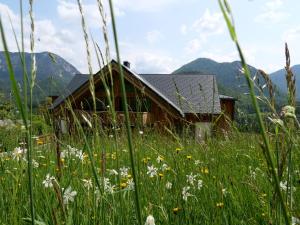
{"points": [[161, 175], [150, 220], [152, 171], [191, 179], [69, 195], [200, 184], [87, 183], [169, 185], [189, 157], [48, 181], [185, 192]]}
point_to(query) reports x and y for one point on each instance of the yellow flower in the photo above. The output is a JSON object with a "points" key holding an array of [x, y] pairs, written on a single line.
{"points": [[113, 156], [123, 185], [176, 210], [39, 141], [178, 150], [220, 205], [62, 160], [160, 175], [189, 157], [204, 170], [129, 176]]}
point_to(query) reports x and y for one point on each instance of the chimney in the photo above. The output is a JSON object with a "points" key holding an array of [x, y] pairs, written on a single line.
{"points": [[127, 64]]}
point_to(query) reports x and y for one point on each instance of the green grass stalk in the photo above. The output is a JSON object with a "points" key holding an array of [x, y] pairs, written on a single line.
{"points": [[127, 120], [229, 21]]}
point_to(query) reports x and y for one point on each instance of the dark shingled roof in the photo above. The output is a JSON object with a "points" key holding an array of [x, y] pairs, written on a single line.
{"points": [[191, 93], [185, 92], [77, 81]]}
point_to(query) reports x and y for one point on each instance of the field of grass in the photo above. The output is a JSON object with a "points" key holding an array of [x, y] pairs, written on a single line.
{"points": [[124, 178], [222, 181]]}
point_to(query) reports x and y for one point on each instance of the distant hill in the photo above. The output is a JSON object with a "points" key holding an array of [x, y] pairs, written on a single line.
{"points": [[278, 78], [230, 79], [53, 73], [228, 74]]}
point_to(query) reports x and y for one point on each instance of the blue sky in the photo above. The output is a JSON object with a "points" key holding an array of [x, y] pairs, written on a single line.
{"points": [[161, 35]]}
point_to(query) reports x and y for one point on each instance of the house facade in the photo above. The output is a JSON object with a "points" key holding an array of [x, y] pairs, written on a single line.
{"points": [[152, 99]]}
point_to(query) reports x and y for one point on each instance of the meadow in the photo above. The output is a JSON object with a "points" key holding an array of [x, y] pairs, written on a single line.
{"points": [[222, 181], [130, 176]]}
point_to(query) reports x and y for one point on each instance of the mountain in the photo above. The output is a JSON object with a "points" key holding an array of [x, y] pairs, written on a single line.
{"points": [[53, 73], [230, 79], [227, 74], [278, 78]]}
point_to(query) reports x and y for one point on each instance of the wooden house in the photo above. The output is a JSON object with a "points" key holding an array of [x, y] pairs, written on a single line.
{"points": [[153, 99]]}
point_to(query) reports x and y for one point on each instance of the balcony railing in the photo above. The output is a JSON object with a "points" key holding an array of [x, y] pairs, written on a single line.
{"points": [[106, 118]]}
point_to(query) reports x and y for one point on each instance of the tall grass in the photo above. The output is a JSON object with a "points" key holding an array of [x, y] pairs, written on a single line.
{"points": [[168, 175]]}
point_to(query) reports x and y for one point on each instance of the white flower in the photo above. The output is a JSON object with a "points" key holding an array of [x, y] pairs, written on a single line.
{"points": [[87, 183], [141, 132], [159, 159], [224, 191], [168, 185], [69, 195], [295, 221], [124, 171], [35, 164], [80, 155], [18, 153], [197, 162], [283, 185], [108, 187], [113, 172], [200, 184], [130, 184], [150, 220], [185, 193], [191, 178], [48, 181], [152, 171], [164, 167]]}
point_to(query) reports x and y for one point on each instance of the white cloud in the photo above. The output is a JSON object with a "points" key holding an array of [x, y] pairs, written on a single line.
{"points": [[148, 61], [154, 36], [209, 24], [272, 12]]}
